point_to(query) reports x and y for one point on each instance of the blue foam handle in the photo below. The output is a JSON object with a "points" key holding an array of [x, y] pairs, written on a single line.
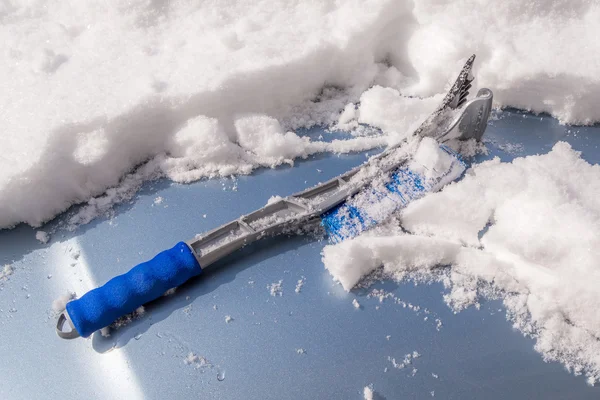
{"points": [[125, 293]]}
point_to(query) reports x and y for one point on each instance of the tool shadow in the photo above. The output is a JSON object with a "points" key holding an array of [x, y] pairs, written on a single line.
{"points": [[220, 273]]}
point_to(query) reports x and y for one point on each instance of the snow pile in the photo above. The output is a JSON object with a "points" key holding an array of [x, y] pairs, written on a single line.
{"points": [[203, 149], [536, 55], [192, 89], [541, 248], [393, 113]]}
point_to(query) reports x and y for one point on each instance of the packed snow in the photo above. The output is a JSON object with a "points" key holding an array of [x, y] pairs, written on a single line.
{"points": [[528, 228], [99, 97]]}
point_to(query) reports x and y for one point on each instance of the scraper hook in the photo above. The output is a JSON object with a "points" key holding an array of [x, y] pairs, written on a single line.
{"points": [[72, 334]]}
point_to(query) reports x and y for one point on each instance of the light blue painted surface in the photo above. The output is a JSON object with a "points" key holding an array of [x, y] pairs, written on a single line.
{"points": [[476, 354]]}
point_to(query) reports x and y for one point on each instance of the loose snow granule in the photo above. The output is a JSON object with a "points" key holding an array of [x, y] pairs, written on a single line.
{"points": [[276, 288], [355, 303], [191, 358], [215, 307], [198, 362], [228, 318], [414, 371], [42, 236], [299, 285], [511, 148], [170, 291], [416, 354], [300, 351], [388, 337], [368, 392], [6, 271], [59, 304], [435, 375], [158, 200], [75, 253], [432, 393], [395, 364], [105, 332]]}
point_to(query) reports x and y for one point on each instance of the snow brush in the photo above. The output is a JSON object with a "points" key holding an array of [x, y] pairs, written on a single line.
{"points": [[344, 206]]}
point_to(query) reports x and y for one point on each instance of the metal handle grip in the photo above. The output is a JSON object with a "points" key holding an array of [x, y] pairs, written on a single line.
{"points": [[123, 294]]}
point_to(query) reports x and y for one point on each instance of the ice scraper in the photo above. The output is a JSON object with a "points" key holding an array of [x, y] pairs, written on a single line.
{"points": [[345, 206]]}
